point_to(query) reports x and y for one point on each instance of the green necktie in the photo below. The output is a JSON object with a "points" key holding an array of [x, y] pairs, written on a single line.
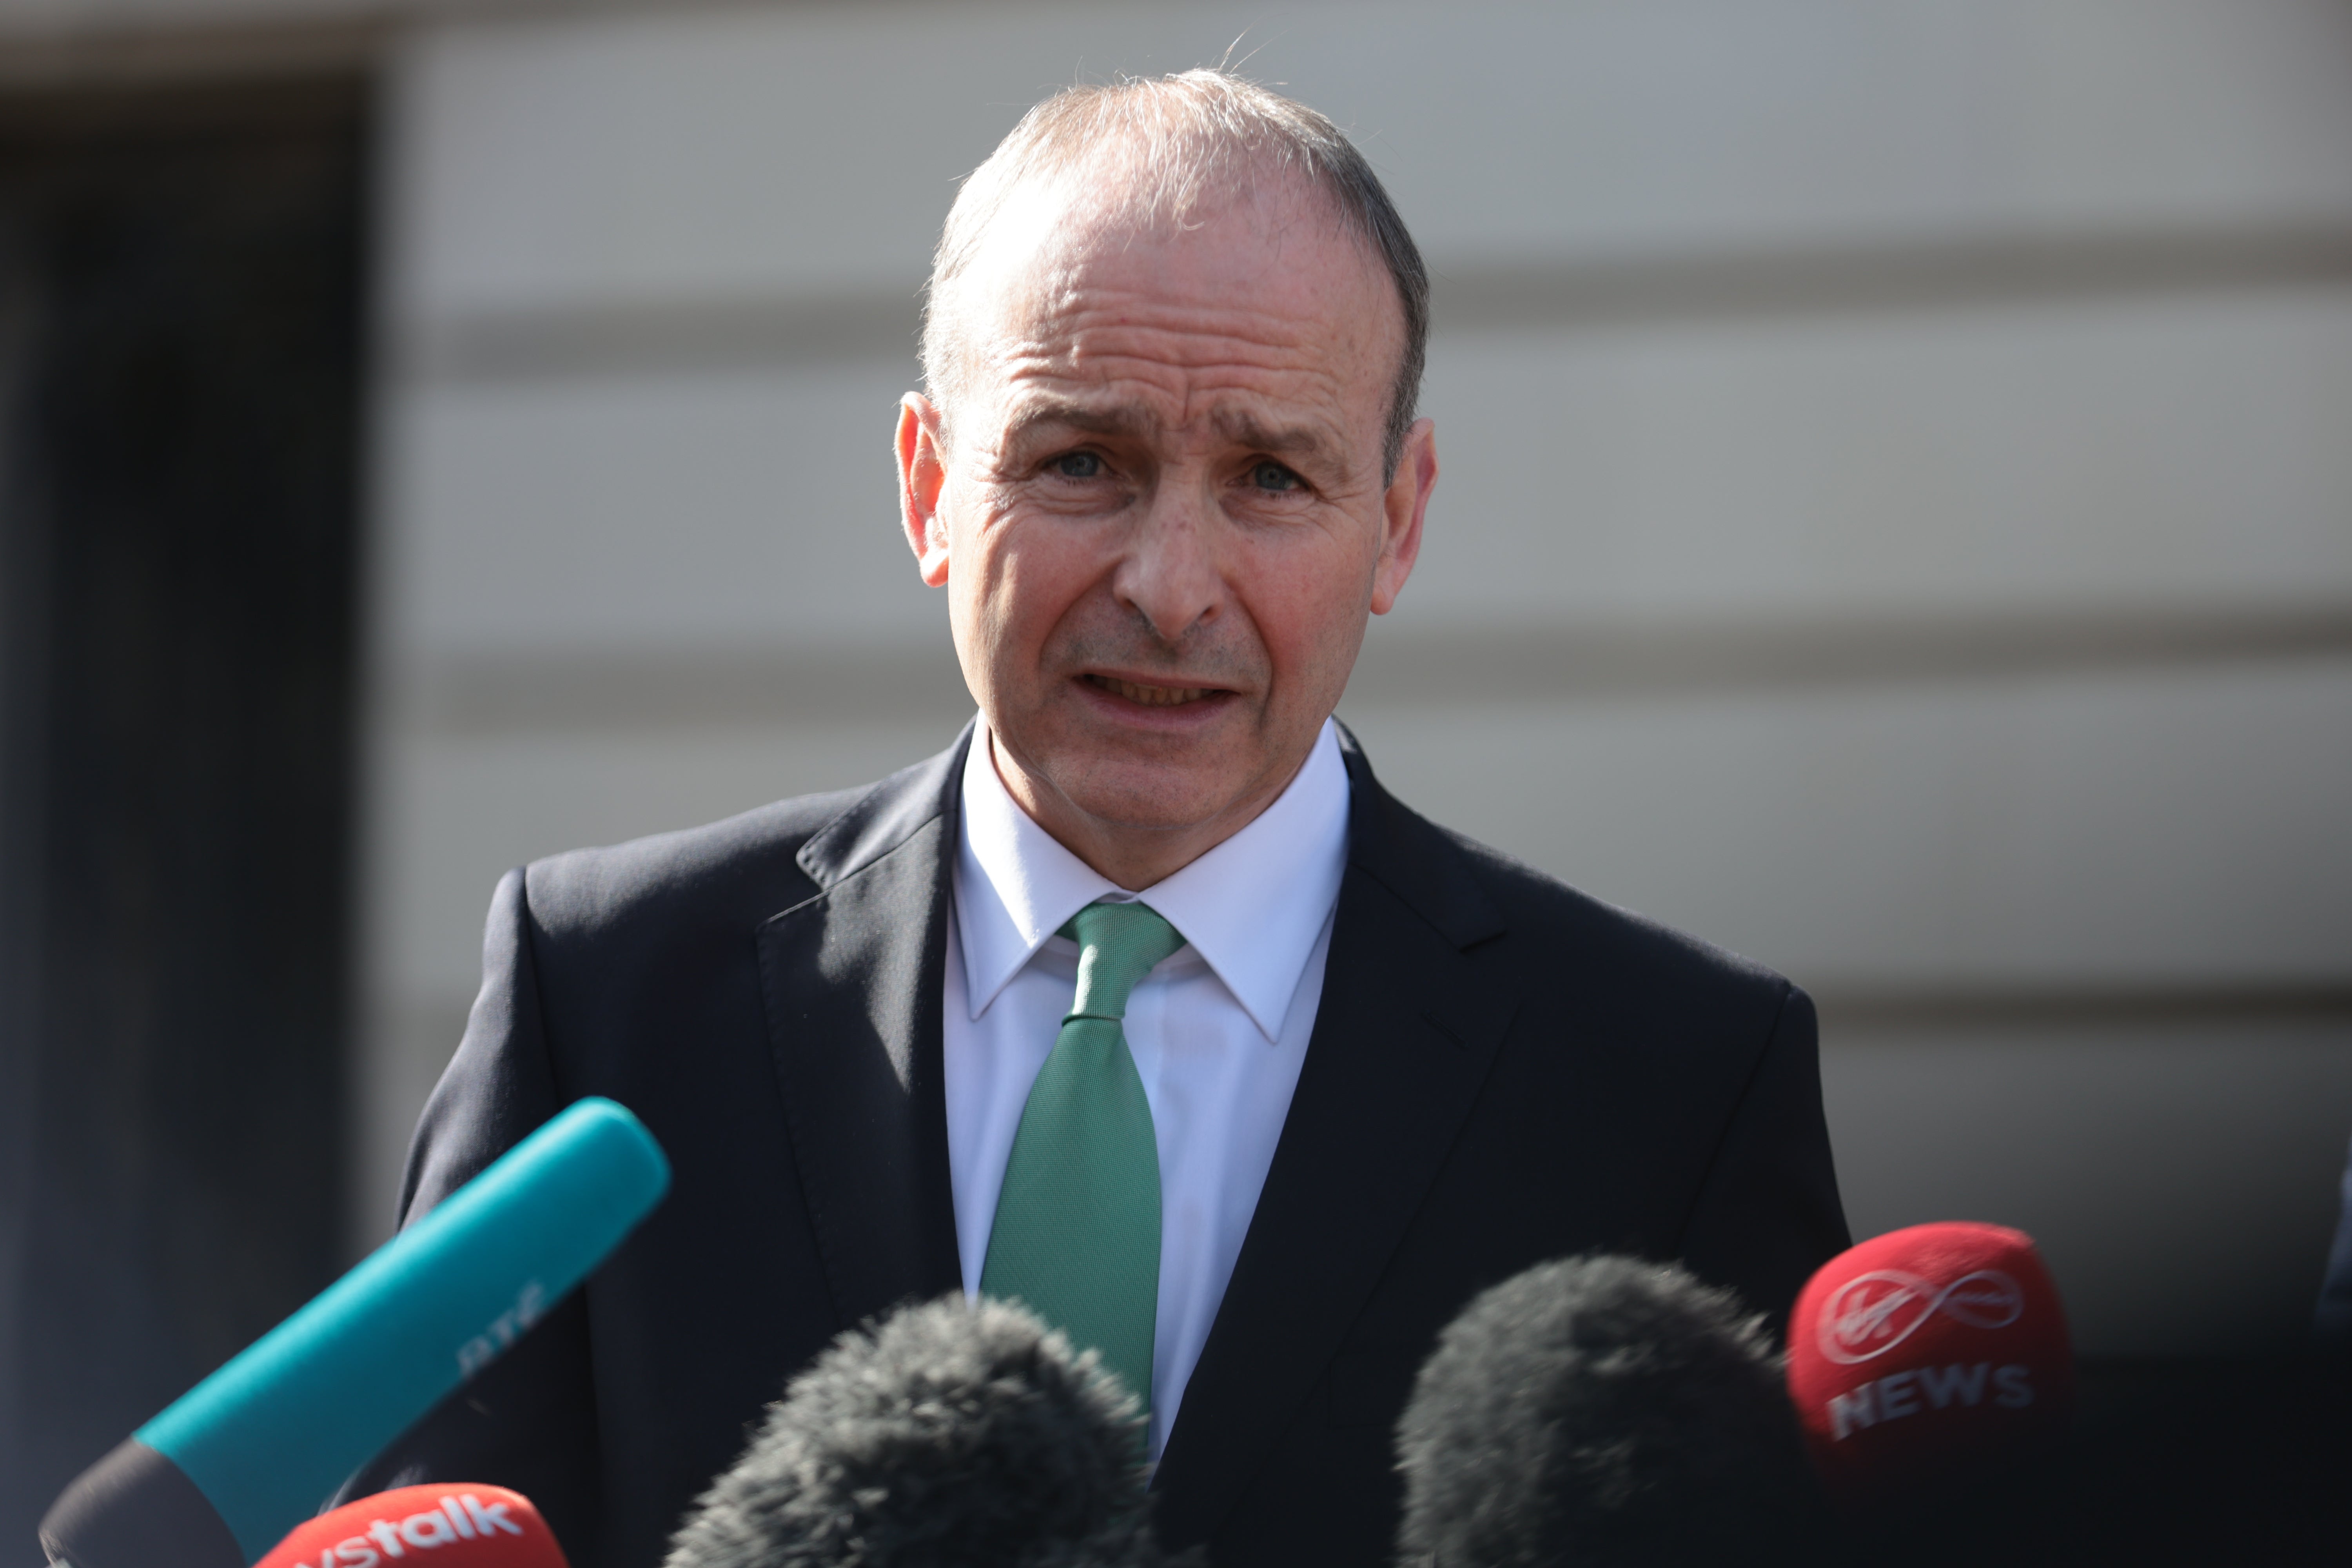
{"points": [[1076, 1236]]}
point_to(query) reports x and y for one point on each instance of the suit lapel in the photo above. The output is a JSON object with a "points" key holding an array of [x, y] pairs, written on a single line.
{"points": [[1403, 1038], [851, 979]]}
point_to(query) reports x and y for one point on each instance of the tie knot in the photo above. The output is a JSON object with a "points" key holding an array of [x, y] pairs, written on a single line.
{"points": [[1117, 945]]}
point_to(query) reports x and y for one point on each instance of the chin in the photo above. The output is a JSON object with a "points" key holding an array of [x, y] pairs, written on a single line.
{"points": [[1149, 811], [1148, 795]]}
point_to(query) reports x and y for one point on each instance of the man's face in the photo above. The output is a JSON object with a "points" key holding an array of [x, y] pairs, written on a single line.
{"points": [[1158, 508]]}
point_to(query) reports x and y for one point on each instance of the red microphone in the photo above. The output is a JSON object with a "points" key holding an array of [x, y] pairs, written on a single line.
{"points": [[448, 1524], [1926, 1358]]}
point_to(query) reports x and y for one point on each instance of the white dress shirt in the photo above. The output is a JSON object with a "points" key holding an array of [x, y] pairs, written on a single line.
{"points": [[1218, 1030]]}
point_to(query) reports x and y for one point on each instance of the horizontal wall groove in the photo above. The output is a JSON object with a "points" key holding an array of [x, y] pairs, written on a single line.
{"points": [[1958, 273], [604, 690], [712, 336], [1670, 658], [525, 343]]}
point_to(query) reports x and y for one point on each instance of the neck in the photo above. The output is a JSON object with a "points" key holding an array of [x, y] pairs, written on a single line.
{"points": [[1129, 855]]}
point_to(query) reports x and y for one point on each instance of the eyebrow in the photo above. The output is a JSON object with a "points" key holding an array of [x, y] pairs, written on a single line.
{"points": [[1095, 421], [1243, 429]]}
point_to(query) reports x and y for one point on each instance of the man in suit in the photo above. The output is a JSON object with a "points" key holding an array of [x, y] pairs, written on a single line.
{"points": [[1143, 1003]]}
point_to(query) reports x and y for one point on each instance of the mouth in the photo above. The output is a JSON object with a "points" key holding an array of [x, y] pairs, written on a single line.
{"points": [[1146, 695]]}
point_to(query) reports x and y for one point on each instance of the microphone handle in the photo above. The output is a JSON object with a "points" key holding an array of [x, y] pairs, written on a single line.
{"points": [[135, 1506], [262, 1441]]}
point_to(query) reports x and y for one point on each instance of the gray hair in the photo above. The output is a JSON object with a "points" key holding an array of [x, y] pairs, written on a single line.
{"points": [[1190, 135]]}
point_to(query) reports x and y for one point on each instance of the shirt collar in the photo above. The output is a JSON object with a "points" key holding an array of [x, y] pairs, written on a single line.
{"points": [[1252, 907]]}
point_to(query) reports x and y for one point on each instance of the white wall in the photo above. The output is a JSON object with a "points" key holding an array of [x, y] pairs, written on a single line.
{"points": [[1896, 522]]}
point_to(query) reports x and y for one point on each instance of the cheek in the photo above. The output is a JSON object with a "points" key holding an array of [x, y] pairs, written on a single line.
{"points": [[984, 540], [1308, 605], [1019, 577]]}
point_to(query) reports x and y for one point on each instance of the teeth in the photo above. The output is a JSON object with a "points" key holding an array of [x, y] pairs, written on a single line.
{"points": [[1154, 696]]}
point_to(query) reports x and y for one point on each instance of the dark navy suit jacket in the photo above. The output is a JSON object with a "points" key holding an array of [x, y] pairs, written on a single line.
{"points": [[1502, 1070]]}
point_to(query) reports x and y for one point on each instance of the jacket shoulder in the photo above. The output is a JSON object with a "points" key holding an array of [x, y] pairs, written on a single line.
{"points": [[741, 869], [1559, 909], [1515, 915], [1643, 975], [745, 867]]}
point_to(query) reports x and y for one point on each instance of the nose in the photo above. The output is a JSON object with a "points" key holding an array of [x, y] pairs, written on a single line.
{"points": [[1170, 574]]}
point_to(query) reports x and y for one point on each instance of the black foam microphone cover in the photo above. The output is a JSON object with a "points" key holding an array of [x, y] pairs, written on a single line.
{"points": [[1601, 1412], [947, 1436]]}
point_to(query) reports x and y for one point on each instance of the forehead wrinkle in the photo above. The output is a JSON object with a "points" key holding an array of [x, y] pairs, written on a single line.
{"points": [[1130, 406], [1144, 328], [1296, 411], [1157, 351], [1267, 334], [1124, 417], [1082, 302], [1189, 380], [1146, 370]]}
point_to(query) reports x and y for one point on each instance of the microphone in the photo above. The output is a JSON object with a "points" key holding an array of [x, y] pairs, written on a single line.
{"points": [[950, 1434], [1601, 1410], [449, 1524], [1927, 1358], [217, 1479]]}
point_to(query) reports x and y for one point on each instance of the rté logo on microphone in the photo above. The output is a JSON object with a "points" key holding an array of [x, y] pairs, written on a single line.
{"points": [[505, 1329]]}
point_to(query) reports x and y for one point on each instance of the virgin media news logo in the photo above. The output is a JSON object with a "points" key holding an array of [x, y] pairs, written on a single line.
{"points": [[1872, 1313]]}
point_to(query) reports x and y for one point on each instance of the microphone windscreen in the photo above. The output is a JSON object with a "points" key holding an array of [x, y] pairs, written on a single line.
{"points": [[948, 1436], [1600, 1410], [1924, 1359], [449, 1524], [281, 1425]]}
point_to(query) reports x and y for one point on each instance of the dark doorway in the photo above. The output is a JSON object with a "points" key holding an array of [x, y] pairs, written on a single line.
{"points": [[180, 337]]}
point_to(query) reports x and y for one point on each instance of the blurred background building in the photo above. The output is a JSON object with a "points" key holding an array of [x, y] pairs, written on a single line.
{"points": [[1896, 523]]}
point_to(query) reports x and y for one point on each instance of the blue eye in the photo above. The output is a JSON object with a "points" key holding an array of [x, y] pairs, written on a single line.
{"points": [[1272, 476], [1077, 465]]}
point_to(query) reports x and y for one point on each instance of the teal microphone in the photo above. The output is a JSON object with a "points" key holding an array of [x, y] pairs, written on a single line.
{"points": [[220, 1476]]}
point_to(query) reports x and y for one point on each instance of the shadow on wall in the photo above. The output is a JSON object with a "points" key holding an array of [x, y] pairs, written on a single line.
{"points": [[2183, 1187]]}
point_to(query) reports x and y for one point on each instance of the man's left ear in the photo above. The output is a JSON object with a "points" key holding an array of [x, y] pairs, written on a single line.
{"points": [[1404, 506]]}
